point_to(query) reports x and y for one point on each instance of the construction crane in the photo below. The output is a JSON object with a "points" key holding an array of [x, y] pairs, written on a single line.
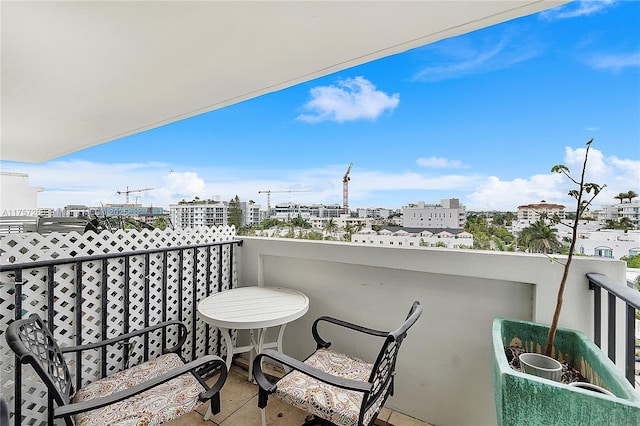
{"points": [[269, 192], [345, 190], [129, 191]]}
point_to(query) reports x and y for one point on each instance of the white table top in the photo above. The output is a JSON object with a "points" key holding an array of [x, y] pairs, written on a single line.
{"points": [[253, 307]]}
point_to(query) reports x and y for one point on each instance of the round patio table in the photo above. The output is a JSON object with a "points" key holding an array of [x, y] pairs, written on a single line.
{"points": [[253, 308]]}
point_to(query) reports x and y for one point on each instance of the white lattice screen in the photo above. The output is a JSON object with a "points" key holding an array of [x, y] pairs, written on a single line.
{"points": [[117, 294]]}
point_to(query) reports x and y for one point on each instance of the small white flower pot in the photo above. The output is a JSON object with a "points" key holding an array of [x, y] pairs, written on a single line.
{"points": [[541, 366], [589, 386]]}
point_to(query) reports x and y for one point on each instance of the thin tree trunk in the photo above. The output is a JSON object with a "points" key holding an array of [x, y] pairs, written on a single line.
{"points": [[565, 274]]}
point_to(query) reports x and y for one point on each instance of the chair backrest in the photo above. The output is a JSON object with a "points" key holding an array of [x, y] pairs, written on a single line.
{"points": [[33, 343], [383, 371]]}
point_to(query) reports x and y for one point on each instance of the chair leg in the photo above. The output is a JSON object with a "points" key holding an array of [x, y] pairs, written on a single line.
{"points": [[213, 408], [263, 416], [208, 414], [316, 421]]}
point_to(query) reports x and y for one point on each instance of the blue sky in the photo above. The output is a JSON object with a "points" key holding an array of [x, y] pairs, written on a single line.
{"points": [[481, 117]]}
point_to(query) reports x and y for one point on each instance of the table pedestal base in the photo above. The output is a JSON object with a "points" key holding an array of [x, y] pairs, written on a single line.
{"points": [[254, 349]]}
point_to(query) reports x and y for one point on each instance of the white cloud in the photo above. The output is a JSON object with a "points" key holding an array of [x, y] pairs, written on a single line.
{"points": [[463, 56], [90, 183], [351, 99], [93, 183], [187, 183], [497, 194], [615, 62], [618, 176], [577, 9], [440, 163]]}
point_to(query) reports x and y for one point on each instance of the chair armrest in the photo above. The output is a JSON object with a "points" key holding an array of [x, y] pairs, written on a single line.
{"points": [[217, 386], [264, 383], [79, 407], [182, 333], [321, 343]]}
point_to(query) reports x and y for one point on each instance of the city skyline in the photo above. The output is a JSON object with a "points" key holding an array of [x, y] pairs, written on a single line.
{"points": [[481, 117]]}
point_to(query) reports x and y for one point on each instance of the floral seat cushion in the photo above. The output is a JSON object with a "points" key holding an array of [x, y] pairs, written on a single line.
{"points": [[155, 406], [339, 406]]}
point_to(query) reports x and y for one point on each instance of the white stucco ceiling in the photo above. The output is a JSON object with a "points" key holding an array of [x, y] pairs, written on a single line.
{"points": [[77, 74]]}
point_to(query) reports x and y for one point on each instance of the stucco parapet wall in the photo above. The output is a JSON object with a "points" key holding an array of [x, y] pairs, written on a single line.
{"points": [[462, 262]]}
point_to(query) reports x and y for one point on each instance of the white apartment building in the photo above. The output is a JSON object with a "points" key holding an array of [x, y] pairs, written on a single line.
{"points": [[286, 212], [252, 213], [199, 214], [608, 243], [342, 222], [630, 210], [532, 212], [409, 238], [47, 212], [450, 213], [328, 211], [76, 210], [17, 198], [375, 213]]}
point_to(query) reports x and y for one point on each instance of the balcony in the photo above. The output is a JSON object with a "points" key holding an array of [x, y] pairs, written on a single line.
{"points": [[446, 358], [444, 369]]}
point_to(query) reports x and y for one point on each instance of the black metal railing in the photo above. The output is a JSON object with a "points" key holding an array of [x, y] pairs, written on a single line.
{"points": [[182, 276], [631, 298]]}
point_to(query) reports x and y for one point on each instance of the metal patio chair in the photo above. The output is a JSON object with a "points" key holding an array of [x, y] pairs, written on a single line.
{"points": [[336, 388], [153, 392]]}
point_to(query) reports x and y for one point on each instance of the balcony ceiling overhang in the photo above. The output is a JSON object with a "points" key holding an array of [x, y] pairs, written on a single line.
{"points": [[77, 74]]}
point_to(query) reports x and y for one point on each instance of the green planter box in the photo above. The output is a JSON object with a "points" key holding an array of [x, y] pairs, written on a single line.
{"points": [[526, 399]]}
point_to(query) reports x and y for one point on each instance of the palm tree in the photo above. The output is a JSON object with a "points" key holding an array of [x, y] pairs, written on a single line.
{"points": [[330, 226], [540, 238], [625, 223], [349, 229], [621, 196], [631, 195]]}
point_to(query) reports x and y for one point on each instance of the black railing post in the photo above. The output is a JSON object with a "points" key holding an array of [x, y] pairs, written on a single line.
{"points": [[611, 328], [180, 281], [51, 283], [207, 327], [165, 267], [104, 313], [597, 315], [147, 298], [17, 314], [126, 347], [219, 333], [78, 322], [194, 303], [630, 357]]}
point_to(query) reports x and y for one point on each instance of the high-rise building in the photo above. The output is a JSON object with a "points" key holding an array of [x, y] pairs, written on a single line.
{"points": [[198, 214], [251, 213]]}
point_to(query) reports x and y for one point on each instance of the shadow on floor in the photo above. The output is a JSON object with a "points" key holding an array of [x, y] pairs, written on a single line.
{"points": [[239, 407]]}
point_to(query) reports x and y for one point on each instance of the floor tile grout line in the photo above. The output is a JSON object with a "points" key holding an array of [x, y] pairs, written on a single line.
{"points": [[222, 422]]}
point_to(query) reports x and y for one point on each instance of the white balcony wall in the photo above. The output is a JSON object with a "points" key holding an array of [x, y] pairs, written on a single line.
{"points": [[444, 367]]}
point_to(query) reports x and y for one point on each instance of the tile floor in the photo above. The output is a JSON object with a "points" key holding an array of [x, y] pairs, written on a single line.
{"points": [[239, 407]]}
